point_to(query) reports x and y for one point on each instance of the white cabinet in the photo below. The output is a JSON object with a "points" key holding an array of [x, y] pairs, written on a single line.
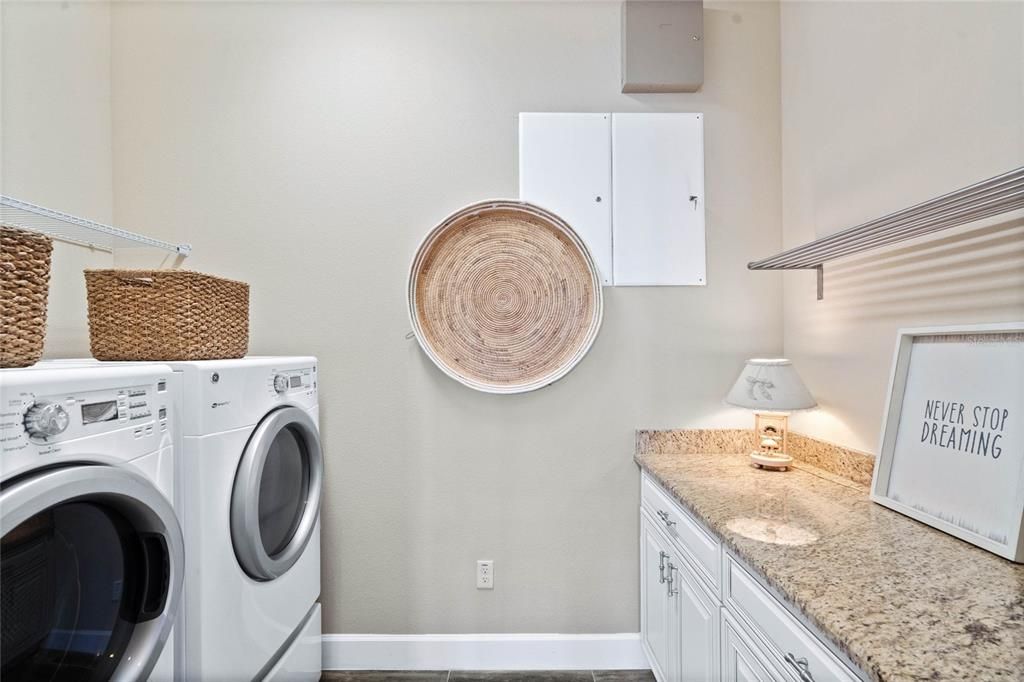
{"points": [[699, 614], [564, 166], [658, 610], [785, 640], [658, 199], [732, 627], [679, 615], [631, 185], [701, 547], [739, 662]]}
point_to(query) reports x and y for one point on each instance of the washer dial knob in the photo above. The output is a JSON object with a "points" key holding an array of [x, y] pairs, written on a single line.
{"points": [[45, 419], [280, 383]]}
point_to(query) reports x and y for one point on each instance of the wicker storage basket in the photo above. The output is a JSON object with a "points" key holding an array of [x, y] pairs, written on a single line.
{"points": [[166, 315], [24, 285]]}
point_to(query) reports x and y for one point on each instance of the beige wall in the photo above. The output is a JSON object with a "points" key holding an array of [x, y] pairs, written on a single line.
{"points": [[307, 148], [55, 145], [885, 104]]}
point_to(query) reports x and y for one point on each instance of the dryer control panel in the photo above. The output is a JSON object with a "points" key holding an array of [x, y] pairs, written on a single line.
{"points": [[222, 395], [289, 381]]}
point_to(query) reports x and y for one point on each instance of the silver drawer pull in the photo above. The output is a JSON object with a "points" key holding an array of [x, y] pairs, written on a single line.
{"points": [[800, 664], [671, 580], [663, 515], [661, 567]]}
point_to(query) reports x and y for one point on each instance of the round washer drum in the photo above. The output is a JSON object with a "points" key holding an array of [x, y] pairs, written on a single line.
{"points": [[275, 502], [92, 565]]}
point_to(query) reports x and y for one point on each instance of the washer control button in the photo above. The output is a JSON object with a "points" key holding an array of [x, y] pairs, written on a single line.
{"points": [[280, 383], [44, 420]]}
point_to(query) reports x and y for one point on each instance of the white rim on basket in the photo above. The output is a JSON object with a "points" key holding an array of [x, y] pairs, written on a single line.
{"points": [[556, 222]]}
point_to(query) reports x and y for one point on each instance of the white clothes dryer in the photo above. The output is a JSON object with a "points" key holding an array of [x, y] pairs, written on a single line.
{"points": [[92, 556], [251, 471]]}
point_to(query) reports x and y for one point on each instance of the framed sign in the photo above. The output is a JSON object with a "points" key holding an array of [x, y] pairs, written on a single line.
{"points": [[952, 449]]}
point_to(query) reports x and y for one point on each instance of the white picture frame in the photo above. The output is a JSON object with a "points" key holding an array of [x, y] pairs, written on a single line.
{"points": [[951, 478]]}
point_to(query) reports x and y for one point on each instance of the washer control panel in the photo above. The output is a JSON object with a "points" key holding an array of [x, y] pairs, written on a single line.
{"points": [[45, 419], [30, 418]]}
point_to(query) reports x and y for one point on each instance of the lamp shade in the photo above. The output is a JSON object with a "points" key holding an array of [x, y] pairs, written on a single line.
{"points": [[770, 385]]}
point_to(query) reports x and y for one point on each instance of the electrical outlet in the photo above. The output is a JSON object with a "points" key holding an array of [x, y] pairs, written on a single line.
{"points": [[485, 574]]}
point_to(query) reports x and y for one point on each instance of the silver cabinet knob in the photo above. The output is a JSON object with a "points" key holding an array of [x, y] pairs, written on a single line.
{"points": [[280, 383], [44, 420], [663, 515]]}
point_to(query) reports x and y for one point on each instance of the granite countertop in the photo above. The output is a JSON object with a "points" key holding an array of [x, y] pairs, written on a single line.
{"points": [[902, 600]]}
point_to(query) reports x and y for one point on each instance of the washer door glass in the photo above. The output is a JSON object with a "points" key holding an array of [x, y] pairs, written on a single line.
{"points": [[276, 498], [83, 584]]}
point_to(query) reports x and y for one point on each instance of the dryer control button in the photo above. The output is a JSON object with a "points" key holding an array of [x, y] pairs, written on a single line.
{"points": [[280, 383]]}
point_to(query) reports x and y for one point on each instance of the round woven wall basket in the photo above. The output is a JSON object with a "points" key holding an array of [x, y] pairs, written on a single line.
{"points": [[504, 297]]}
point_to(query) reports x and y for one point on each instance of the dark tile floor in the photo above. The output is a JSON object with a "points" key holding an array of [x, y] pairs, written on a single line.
{"points": [[488, 676]]}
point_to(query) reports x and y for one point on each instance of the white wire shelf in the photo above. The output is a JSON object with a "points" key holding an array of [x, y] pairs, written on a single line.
{"points": [[991, 197], [75, 230]]}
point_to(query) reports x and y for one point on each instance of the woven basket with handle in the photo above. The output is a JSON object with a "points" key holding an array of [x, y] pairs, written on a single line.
{"points": [[24, 286], [166, 315]]}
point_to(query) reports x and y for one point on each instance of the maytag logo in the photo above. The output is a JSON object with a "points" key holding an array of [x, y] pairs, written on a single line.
{"points": [[220, 404]]}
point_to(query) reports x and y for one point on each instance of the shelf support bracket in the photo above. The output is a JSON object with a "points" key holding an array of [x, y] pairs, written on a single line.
{"points": [[820, 268]]}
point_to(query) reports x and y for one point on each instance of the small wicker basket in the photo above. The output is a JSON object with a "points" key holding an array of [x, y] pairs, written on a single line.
{"points": [[24, 286], [166, 315]]}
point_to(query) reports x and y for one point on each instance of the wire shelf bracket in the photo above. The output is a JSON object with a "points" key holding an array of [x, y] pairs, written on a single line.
{"points": [[991, 197], [75, 230]]}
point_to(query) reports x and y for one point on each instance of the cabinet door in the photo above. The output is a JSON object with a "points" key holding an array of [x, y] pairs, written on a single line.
{"points": [[658, 207], [739, 662], [659, 616], [565, 167], [699, 615]]}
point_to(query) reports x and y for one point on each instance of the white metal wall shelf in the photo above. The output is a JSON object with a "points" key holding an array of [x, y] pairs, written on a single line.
{"points": [[69, 228], [1000, 194]]}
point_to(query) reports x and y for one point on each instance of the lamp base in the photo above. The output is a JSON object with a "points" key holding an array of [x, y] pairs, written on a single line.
{"points": [[778, 462]]}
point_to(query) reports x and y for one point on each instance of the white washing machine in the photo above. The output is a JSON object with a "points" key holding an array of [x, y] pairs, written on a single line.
{"points": [[251, 471], [92, 555]]}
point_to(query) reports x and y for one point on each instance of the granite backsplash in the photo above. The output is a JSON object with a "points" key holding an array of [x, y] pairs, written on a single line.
{"points": [[848, 463]]}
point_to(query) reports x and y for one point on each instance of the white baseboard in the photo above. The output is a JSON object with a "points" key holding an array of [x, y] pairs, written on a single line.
{"points": [[484, 652]]}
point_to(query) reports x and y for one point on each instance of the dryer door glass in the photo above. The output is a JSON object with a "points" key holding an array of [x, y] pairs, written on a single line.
{"points": [[275, 504], [283, 490]]}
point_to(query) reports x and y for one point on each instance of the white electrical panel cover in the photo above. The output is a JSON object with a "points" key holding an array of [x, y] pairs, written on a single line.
{"points": [[565, 167], [631, 185], [658, 199]]}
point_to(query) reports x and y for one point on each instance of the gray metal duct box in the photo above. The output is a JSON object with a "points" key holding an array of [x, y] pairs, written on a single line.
{"points": [[662, 45]]}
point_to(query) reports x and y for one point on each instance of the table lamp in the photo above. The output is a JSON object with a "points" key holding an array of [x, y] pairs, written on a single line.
{"points": [[773, 389]]}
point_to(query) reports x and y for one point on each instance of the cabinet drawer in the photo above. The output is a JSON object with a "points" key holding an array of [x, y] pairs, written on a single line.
{"points": [[703, 549], [795, 648], [742, 661]]}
